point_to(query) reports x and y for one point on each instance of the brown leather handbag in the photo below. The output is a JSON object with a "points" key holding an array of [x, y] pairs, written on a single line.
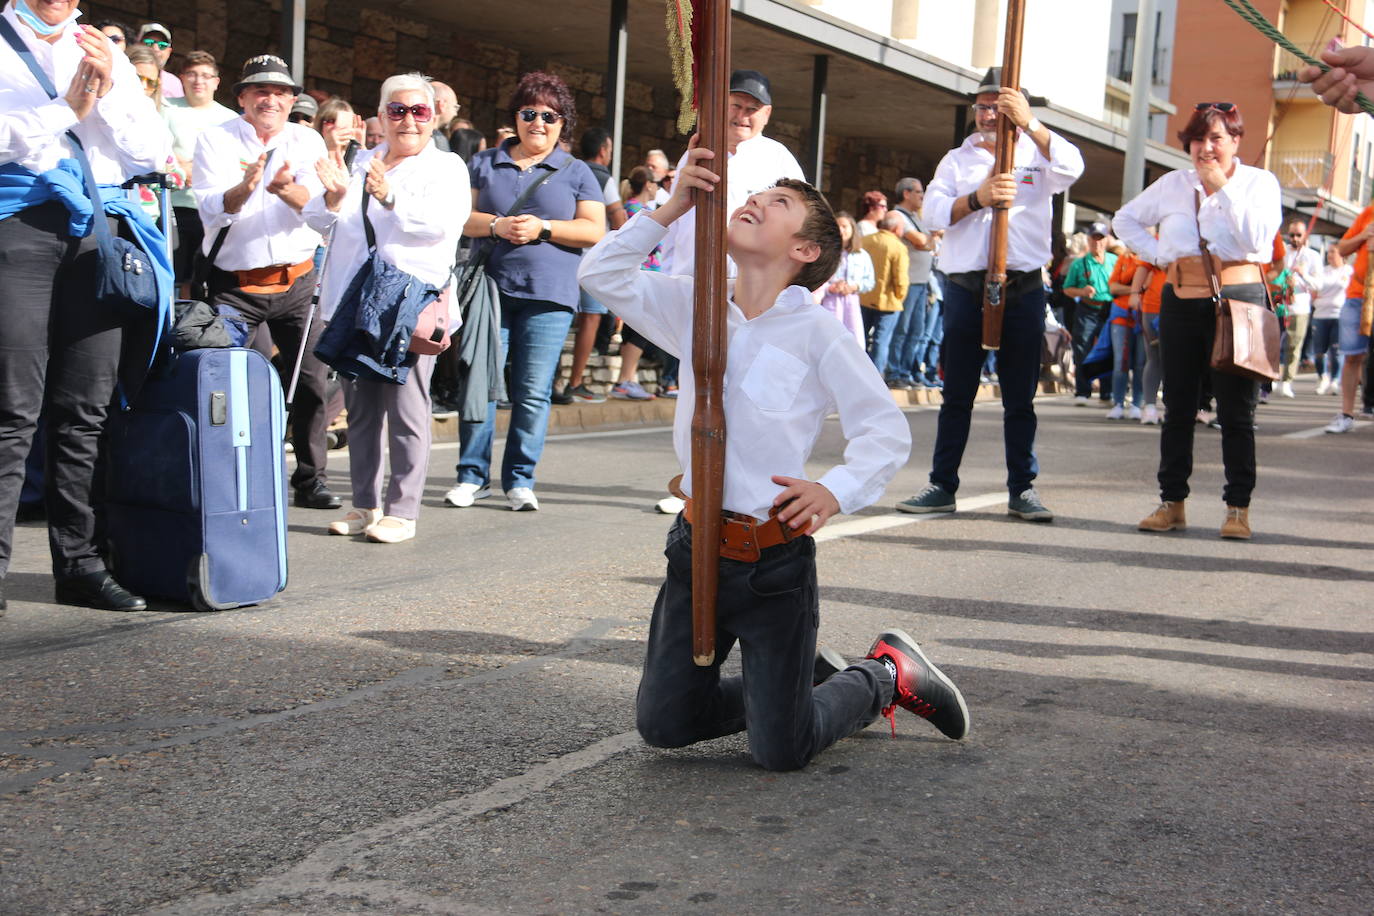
{"points": [[1247, 335]]}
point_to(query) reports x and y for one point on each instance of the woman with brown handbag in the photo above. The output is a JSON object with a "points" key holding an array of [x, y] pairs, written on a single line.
{"points": [[1232, 211]]}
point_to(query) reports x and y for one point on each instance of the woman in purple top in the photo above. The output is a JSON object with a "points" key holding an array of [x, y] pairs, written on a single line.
{"points": [[533, 259], [840, 296]]}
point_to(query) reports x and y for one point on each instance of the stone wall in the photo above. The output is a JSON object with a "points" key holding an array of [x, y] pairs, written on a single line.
{"points": [[351, 46]]}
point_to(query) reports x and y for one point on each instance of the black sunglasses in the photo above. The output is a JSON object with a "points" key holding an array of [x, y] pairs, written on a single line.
{"points": [[529, 114], [1219, 106]]}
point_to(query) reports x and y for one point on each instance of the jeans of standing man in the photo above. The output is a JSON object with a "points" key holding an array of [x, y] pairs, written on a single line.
{"points": [[59, 354], [1187, 328], [285, 315], [1154, 367], [1088, 321], [878, 328], [772, 609], [911, 325], [928, 348], [1292, 345], [1018, 371], [1325, 337], [532, 333], [1128, 364], [399, 417]]}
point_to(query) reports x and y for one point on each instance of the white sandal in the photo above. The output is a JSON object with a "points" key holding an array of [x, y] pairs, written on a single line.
{"points": [[391, 529], [356, 521]]}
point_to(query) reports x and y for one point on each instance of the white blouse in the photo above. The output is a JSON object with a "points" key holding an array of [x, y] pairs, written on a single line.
{"points": [[1239, 221]]}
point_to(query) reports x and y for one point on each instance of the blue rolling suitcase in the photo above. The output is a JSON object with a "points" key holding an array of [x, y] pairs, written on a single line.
{"points": [[196, 486]]}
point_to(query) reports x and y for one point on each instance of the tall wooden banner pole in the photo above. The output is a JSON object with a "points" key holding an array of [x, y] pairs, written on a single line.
{"points": [[995, 286], [712, 18]]}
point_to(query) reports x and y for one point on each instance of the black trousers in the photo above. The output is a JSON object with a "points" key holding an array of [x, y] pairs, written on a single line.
{"points": [[59, 356], [285, 316], [772, 609], [1187, 328], [190, 234]]}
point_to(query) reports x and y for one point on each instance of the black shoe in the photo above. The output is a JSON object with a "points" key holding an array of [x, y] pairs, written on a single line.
{"points": [[561, 396], [921, 688], [828, 662], [98, 590], [1029, 507], [317, 496]]}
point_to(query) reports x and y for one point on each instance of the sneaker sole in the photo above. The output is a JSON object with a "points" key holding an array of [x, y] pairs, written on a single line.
{"points": [[480, 494], [915, 647], [924, 510], [1046, 516], [828, 663]]}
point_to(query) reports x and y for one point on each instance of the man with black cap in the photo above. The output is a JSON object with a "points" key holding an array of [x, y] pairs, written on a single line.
{"points": [[1087, 281], [756, 162], [253, 177], [960, 199]]}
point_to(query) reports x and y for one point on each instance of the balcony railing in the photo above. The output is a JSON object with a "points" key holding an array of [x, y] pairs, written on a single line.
{"points": [[1303, 169], [1120, 64], [1287, 65]]}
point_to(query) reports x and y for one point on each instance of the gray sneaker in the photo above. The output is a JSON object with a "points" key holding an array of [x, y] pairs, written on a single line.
{"points": [[934, 498], [1029, 507]]}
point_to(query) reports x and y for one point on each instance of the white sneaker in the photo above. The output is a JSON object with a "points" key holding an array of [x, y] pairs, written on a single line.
{"points": [[1324, 384], [521, 499], [1150, 415], [1286, 389], [1081, 400], [670, 505], [1342, 424], [391, 529], [355, 521], [1133, 413], [1116, 413], [465, 494]]}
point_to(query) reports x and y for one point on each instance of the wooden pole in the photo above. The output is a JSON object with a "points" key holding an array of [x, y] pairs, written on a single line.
{"points": [[994, 288], [712, 19]]}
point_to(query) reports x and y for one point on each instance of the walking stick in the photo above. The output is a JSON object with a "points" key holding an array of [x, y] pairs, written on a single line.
{"points": [[712, 32], [1367, 306], [995, 287]]}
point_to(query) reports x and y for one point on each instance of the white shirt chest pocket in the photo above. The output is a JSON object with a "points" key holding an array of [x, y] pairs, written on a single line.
{"points": [[774, 378]]}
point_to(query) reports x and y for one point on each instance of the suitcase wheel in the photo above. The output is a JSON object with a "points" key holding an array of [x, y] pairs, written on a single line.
{"points": [[198, 573]]}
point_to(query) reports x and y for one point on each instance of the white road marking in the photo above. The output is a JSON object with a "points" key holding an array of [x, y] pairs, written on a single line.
{"points": [[868, 524], [1319, 431]]}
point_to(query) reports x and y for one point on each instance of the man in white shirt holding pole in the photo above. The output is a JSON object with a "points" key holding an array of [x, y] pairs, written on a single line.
{"points": [[1305, 269], [960, 199], [253, 176]]}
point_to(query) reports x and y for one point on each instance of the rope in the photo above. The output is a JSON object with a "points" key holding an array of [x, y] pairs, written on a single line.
{"points": [[1267, 29]]}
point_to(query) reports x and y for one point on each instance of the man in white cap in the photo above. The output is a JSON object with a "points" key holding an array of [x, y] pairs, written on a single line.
{"points": [[158, 37], [253, 177]]}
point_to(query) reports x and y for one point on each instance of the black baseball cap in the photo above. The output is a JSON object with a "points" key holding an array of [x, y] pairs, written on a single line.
{"points": [[752, 82], [1099, 228], [269, 69]]}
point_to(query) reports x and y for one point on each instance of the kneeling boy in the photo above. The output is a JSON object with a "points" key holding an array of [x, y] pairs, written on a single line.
{"points": [[789, 365]]}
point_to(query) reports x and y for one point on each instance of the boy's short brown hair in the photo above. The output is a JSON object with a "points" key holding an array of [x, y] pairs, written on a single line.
{"points": [[198, 59], [819, 227]]}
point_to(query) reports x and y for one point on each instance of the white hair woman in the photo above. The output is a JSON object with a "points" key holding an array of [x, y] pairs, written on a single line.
{"points": [[417, 201]]}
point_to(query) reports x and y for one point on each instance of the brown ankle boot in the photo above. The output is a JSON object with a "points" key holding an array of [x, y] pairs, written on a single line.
{"points": [[1237, 524], [1168, 517]]}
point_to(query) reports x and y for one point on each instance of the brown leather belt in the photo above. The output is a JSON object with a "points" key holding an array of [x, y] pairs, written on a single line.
{"points": [[743, 537], [1189, 275], [275, 279]]}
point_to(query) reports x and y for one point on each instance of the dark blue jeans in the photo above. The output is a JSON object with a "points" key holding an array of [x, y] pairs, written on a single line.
{"points": [[878, 328], [928, 347], [532, 332], [1087, 325], [771, 608], [911, 326], [1018, 371]]}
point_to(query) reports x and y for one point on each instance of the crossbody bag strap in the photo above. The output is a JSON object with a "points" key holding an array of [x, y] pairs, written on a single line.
{"points": [[478, 259], [98, 225], [1207, 264]]}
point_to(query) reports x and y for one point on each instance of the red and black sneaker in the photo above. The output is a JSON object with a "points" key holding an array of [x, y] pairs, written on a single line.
{"points": [[921, 687]]}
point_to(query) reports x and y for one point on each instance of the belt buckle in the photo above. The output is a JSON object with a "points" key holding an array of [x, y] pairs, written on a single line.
{"points": [[739, 539]]}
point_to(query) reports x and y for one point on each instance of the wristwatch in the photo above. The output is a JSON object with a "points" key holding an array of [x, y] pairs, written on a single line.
{"points": [[1033, 126], [546, 230]]}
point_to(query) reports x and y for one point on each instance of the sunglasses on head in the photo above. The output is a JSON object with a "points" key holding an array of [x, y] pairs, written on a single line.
{"points": [[397, 112], [1219, 106], [157, 43], [529, 114]]}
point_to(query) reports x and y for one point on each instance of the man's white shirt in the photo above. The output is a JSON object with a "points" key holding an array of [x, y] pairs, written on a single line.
{"points": [[123, 135], [1239, 221], [1038, 179], [1305, 283], [787, 370], [756, 165], [266, 231]]}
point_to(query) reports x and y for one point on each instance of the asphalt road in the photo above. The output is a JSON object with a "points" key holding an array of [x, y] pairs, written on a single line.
{"points": [[1161, 723]]}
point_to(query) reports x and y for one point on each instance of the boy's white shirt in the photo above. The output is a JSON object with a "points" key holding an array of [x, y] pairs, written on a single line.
{"points": [[786, 371]]}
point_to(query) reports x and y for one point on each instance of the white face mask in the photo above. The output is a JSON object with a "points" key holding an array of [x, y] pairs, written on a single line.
{"points": [[30, 19]]}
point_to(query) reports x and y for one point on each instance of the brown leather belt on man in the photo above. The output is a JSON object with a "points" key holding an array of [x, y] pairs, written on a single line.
{"points": [[1189, 275], [278, 278]]}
